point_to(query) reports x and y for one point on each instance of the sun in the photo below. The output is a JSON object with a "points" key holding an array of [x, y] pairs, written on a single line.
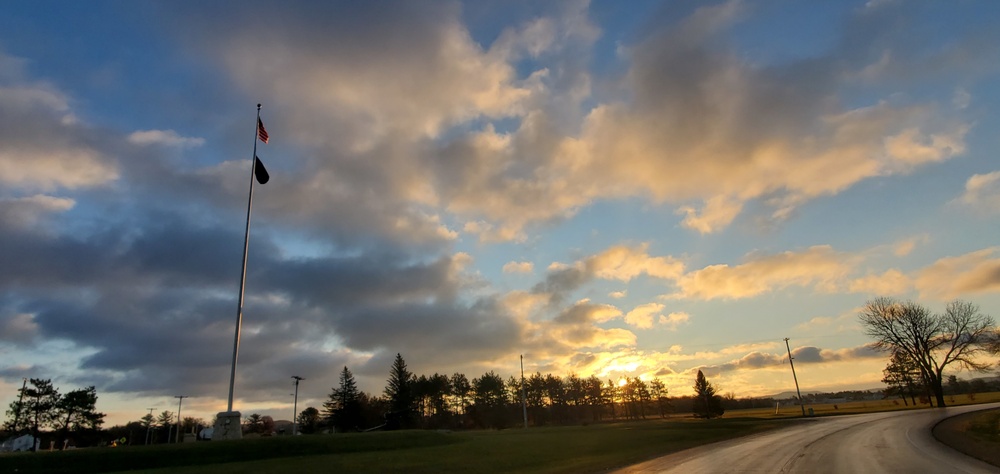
{"points": [[622, 382]]}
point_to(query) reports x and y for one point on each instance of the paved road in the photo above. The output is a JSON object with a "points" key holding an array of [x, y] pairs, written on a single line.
{"points": [[870, 443]]}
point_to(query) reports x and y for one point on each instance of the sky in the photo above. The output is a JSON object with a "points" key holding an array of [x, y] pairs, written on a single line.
{"points": [[621, 189]]}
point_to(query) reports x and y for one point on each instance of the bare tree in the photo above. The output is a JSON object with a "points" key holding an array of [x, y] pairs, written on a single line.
{"points": [[932, 341]]}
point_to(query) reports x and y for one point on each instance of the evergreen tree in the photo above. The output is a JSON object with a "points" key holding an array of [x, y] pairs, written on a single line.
{"points": [[707, 404], [461, 388], [343, 409], [399, 392], [902, 376], [35, 407], [78, 409]]}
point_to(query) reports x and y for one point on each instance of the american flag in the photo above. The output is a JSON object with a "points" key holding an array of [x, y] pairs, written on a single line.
{"points": [[261, 133]]}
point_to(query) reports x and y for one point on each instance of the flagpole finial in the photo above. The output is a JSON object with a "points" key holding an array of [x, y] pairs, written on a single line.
{"points": [[258, 106]]}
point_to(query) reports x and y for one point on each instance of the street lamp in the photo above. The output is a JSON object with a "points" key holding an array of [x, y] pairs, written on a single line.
{"points": [[295, 404], [180, 399]]}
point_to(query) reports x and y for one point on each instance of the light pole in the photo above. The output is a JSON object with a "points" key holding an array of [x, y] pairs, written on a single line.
{"points": [[295, 404], [180, 399], [801, 403]]}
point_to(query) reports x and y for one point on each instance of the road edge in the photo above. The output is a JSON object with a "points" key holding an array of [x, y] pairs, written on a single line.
{"points": [[949, 432]]}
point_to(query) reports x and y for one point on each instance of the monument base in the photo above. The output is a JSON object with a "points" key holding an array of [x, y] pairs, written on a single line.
{"points": [[228, 425]]}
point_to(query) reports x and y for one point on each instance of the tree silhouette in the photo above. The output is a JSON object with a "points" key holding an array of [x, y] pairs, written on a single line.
{"points": [[707, 404], [932, 341], [308, 421], [78, 409], [343, 409], [35, 407], [490, 400], [253, 423], [461, 389], [399, 392]]}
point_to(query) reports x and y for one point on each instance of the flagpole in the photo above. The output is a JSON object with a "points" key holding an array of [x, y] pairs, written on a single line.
{"points": [[243, 273]]}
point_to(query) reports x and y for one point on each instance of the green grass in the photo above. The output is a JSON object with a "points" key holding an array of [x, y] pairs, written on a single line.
{"points": [[549, 449]]}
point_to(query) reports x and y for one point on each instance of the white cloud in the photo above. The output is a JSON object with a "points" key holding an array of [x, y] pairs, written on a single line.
{"points": [[624, 263], [982, 191], [891, 282], [518, 267], [164, 137], [644, 315], [673, 320], [819, 267], [914, 148], [904, 247]]}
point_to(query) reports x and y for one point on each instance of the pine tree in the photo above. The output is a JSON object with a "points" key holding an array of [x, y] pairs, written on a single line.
{"points": [[707, 404], [343, 409], [399, 392]]}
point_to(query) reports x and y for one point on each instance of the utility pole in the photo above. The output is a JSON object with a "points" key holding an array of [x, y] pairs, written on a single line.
{"points": [[20, 404], [149, 423], [801, 403], [524, 398], [295, 404], [179, 401]]}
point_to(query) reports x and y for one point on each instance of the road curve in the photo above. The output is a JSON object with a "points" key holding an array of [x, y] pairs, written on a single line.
{"points": [[870, 443]]}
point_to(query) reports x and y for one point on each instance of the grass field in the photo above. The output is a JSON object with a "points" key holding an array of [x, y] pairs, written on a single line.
{"points": [[847, 408], [564, 449]]}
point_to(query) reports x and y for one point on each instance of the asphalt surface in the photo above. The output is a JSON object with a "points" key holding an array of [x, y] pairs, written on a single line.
{"points": [[869, 443]]}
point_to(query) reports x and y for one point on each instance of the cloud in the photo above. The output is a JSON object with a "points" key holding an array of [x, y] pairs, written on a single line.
{"points": [[479, 132], [618, 294], [575, 329], [819, 267], [518, 267], [643, 316], [673, 320], [953, 277], [727, 131], [27, 212], [719, 212], [42, 144], [891, 282], [913, 147], [618, 262], [164, 137], [906, 246], [982, 191]]}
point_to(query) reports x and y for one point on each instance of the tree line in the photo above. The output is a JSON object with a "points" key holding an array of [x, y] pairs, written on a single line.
{"points": [[489, 401], [40, 405]]}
